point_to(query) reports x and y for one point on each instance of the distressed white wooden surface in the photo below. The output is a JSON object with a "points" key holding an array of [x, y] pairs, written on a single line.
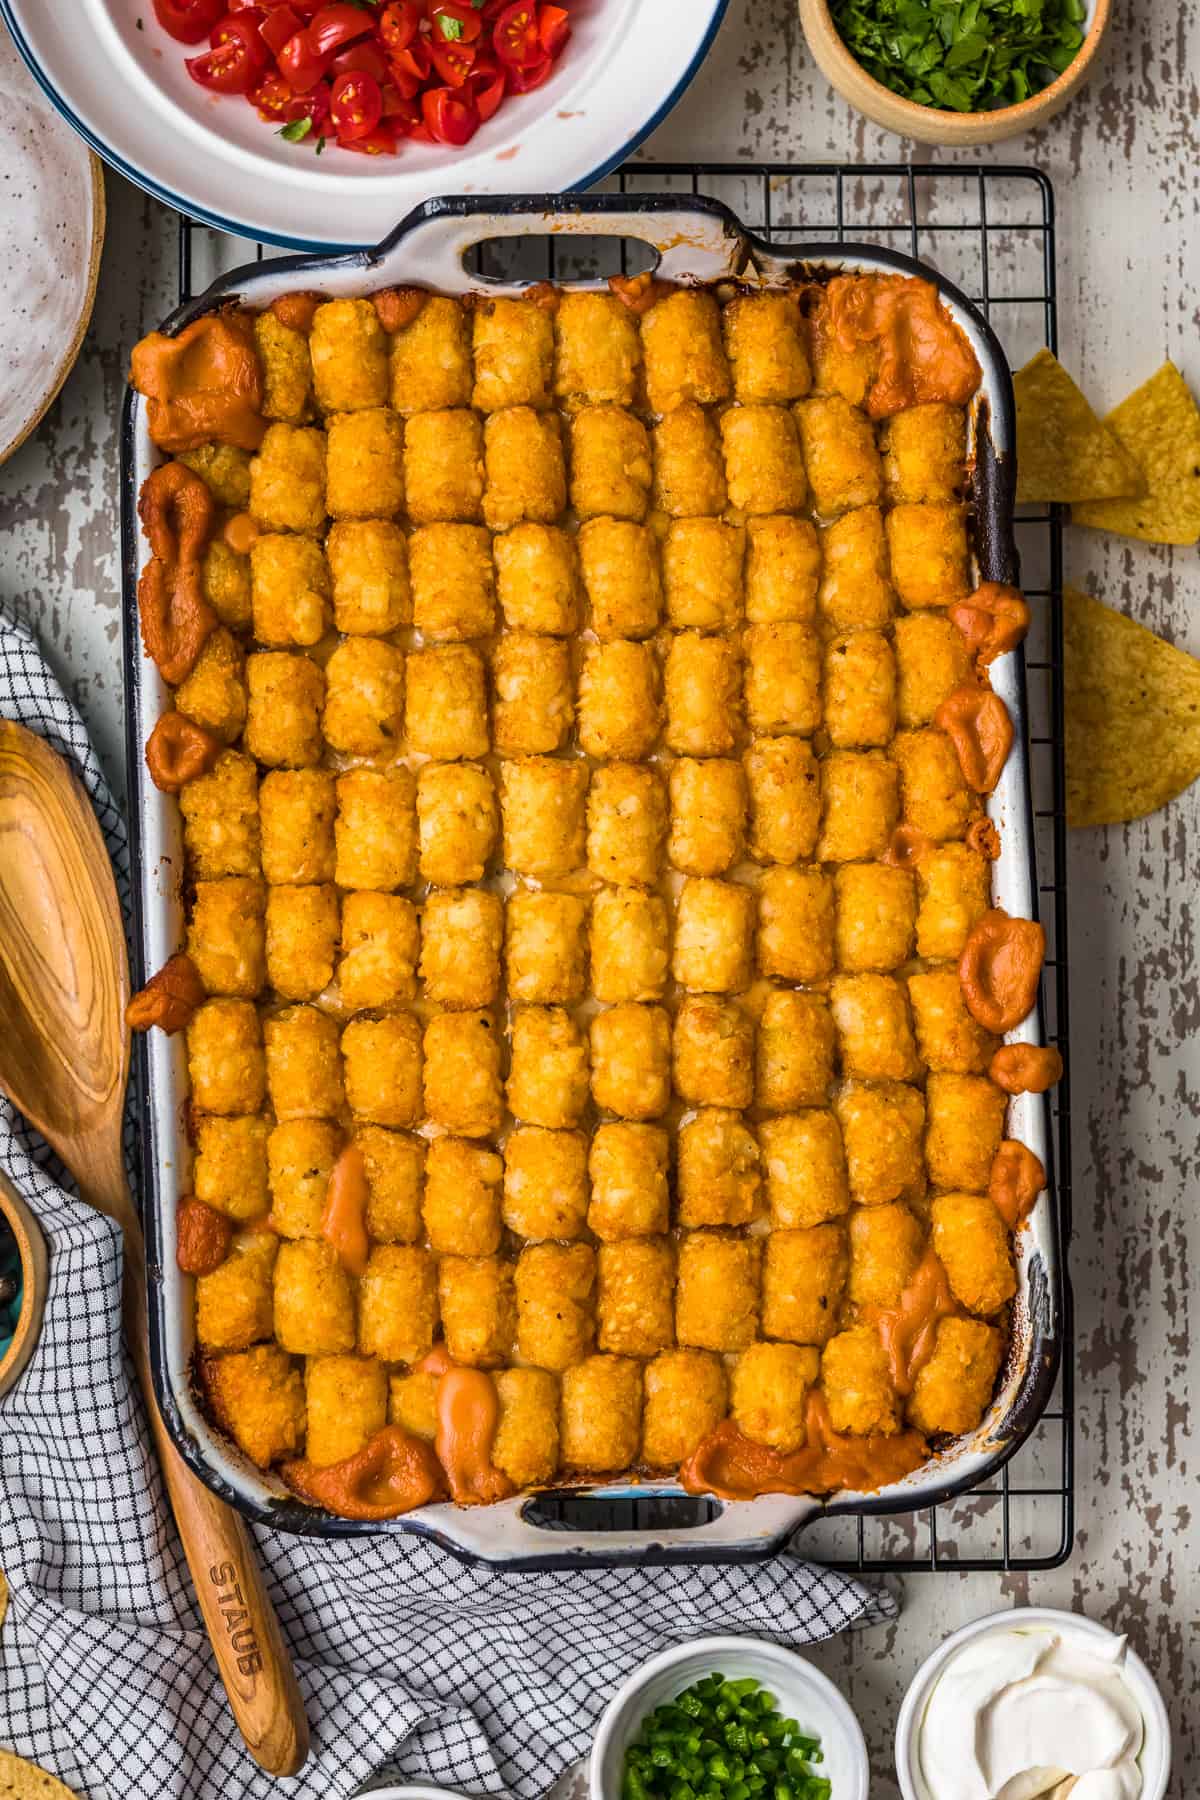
{"points": [[1124, 160]]}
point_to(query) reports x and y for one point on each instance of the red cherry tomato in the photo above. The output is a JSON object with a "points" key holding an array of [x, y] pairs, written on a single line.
{"points": [[398, 24], [453, 62], [366, 56], [188, 21], [452, 117], [235, 61], [336, 26], [554, 28], [380, 142], [272, 96], [299, 63], [488, 86], [280, 24], [313, 106], [515, 35], [411, 69], [463, 23], [532, 75], [356, 107]]}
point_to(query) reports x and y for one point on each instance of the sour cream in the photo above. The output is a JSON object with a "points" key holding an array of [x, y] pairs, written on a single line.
{"points": [[1016, 1711]]}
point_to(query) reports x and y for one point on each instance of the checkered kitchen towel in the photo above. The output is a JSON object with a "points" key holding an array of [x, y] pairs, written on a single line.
{"points": [[407, 1659]]}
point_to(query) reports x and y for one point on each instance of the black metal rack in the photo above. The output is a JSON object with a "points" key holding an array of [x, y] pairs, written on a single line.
{"points": [[990, 230]]}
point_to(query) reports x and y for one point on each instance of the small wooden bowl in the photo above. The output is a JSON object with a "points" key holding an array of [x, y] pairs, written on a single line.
{"points": [[31, 1247], [931, 124]]}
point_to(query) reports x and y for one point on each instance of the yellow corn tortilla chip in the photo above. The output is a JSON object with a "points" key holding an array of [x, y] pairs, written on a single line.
{"points": [[21, 1780], [1159, 425], [1132, 715], [1063, 450]]}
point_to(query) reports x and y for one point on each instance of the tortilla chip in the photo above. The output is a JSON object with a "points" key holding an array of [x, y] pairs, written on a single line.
{"points": [[21, 1780], [1063, 451], [1159, 425], [1132, 715]]}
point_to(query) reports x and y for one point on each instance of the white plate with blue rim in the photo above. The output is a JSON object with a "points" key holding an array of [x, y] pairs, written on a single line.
{"points": [[114, 73]]}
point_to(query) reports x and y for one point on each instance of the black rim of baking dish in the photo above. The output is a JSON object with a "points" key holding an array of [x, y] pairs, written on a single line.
{"points": [[993, 497]]}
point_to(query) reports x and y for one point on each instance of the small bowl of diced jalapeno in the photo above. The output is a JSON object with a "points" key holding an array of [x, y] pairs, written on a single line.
{"points": [[728, 1719]]}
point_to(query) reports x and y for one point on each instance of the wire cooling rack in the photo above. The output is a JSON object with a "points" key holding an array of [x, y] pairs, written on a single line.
{"points": [[991, 231]]}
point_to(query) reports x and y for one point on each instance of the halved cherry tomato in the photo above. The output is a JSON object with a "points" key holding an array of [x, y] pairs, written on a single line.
{"points": [[380, 142], [398, 24], [336, 26], [313, 106], [463, 23], [299, 63], [356, 107], [520, 81], [487, 84], [453, 62], [272, 96], [554, 28], [188, 21], [366, 56], [515, 35], [411, 69], [280, 24], [235, 61], [452, 117]]}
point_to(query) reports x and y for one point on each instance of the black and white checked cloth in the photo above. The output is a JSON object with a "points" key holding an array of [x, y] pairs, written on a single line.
{"points": [[408, 1660]]}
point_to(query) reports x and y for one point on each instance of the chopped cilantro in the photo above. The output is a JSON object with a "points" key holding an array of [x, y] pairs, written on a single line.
{"points": [[451, 27], [320, 145], [962, 55], [297, 129]]}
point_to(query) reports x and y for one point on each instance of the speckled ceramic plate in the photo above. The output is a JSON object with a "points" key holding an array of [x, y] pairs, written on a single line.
{"points": [[52, 227]]}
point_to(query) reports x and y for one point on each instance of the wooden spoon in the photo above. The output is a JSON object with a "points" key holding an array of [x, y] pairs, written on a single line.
{"points": [[64, 1062]]}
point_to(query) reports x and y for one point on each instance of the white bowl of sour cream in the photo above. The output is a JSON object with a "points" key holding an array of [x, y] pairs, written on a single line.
{"points": [[1010, 1707]]}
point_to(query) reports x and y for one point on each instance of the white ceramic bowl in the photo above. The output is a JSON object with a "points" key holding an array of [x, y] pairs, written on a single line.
{"points": [[1156, 1751], [803, 1693], [127, 91]]}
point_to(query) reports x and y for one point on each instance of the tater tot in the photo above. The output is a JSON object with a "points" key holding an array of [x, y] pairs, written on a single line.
{"points": [[875, 1036], [214, 694], [431, 359], [703, 683], [685, 1399], [283, 709], [257, 1395], [224, 470], [621, 578], [412, 1403], [542, 812], [383, 1069], [626, 824], [689, 472], [948, 1036], [537, 579], [375, 828], [458, 822], [526, 1443], [783, 784], [795, 923], [611, 464], [226, 1068], [924, 453], [876, 917], [954, 884], [635, 1296], [885, 1248], [453, 584], [783, 679], [685, 359], [225, 578], [805, 1169], [395, 1166], [713, 1052], [462, 1073], [858, 1384], [397, 1303], [302, 935], [970, 1240], [524, 470], [966, 1123], [708, 815], [287, 479], [513, 343], [545, 1183], [461, 1207], [221, 831], [446, 712], [548, 1069], [462, 930], [618, 709], [860, 804], [286, 365], [839, 454], [545, 947], [379, 948], [631, 1060], [229, 1172], [365, 472], [601, 1413], [768, 1390], [928, 550], [783, 570], [719, 1177], [627, 1168], [855, 592], [859, 697], [935, 797], [597, 352], [296, 810], [765, 343], [226, 936], [364, 697], [555, 1286], [702, 574], [804, 1277], [368, 566], [314, 1299], [349, 353], [629, 945], [882, 1128], [716, 1292], [763, 464], [714, 924], [952, 1389], [233, 1301], [533, 705], [443, 467], [795, 1061], [346, 1399], [931, 661]]}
